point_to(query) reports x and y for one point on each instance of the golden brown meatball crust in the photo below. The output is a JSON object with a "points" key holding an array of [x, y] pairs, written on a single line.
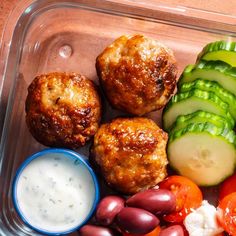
{"points": [[62, 110], [131, 154], [138, 74]]}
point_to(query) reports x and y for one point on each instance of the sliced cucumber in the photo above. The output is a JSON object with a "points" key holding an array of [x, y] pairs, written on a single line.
{"points": [[217, 71], [220, 50], [200, 117], [194, 100], [203, 152], [211, 86]]}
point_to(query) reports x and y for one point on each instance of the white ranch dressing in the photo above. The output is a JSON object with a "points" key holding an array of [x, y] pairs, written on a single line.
{"points": [[55, 193]]}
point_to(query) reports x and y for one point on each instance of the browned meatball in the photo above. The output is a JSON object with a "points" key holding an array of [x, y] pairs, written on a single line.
{"points": [[138, 74], [130, 153], [62, 110]]}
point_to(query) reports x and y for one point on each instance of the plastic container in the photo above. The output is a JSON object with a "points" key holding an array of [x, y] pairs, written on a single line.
{"points": [[76, 163], [67, 35]]}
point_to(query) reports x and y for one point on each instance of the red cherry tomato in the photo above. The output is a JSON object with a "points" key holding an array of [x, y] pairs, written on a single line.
{"points": [[155, 232], [227, 213], [188, 197], [228, 186]]}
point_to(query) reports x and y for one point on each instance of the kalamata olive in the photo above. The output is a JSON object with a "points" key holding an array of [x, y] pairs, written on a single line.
{"points": [[157, 201], [93, 230], [136, 221], [108, 208], [174, 230]]}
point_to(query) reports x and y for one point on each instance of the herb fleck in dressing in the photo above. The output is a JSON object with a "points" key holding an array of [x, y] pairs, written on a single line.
{"points": [[55, 193]]}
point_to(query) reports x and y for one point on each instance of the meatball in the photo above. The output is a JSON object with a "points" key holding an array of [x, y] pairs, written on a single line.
{"points": [[62, 109], [138, 74], [130, 153]]}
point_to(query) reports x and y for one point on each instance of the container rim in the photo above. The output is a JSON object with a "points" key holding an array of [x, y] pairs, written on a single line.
{"points": [[67, 153], [26, 10]]}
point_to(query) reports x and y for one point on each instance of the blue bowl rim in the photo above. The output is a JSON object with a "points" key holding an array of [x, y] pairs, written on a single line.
{"points": [[69, 153]]}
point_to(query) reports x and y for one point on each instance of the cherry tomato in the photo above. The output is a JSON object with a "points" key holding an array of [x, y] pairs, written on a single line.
{"points": [[155, 232], [228, 186], [188, 197], [227, 214]]}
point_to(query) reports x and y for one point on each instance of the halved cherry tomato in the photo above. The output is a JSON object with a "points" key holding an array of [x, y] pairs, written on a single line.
{"points": [[188, 197], [228, 187], [227, 214], [155, 232]]}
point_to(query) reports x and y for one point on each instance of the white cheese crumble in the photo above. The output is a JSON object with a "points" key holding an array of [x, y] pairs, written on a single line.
{"points": [[202, 221]]}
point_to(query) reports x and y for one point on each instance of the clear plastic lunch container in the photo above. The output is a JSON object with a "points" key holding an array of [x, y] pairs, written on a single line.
{"points": [[67, 35]]}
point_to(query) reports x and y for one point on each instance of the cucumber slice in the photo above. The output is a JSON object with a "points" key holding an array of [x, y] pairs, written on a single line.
{"points": [[203, 152], [222, 93], [194, 100], [218, 71], [220, 50], [200, 117]]}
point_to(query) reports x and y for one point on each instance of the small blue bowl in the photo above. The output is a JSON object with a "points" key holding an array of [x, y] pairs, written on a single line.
{"points": [[78, 158]]}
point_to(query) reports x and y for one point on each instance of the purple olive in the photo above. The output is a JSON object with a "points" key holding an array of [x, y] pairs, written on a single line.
{"points": [[175, 230], [92, 230], [157, 201], [136, 221], [108, 208]]}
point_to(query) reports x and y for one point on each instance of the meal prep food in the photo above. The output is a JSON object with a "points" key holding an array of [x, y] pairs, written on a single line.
{"points": [[219, 51], [138, 75], [55, 191], [131, 154], [190, 117], [175, 205], [62, 109]]}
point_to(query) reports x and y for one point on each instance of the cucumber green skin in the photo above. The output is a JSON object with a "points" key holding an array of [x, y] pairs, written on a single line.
{"points": [[200, 117], [217, 46], [211, 86], [198, 128], [226, 134], [220, 66], [208, 66], [199, 94]]}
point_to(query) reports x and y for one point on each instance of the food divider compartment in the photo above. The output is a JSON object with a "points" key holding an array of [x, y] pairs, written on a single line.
{"points": [[68, 36]]}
